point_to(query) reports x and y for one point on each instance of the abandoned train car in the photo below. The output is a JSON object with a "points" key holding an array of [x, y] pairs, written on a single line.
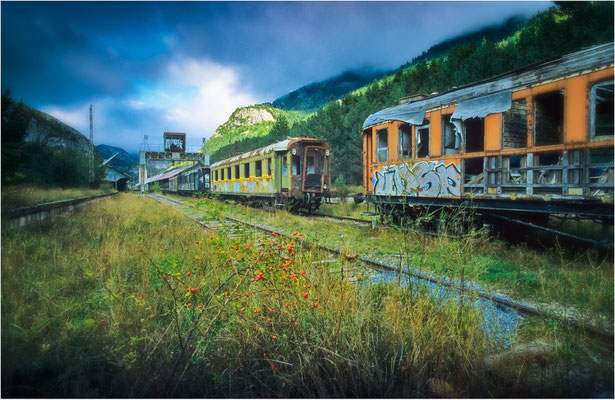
{"points": [[293, 173], [526, 144]]}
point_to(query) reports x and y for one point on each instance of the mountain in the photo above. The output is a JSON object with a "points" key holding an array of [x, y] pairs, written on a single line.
{"points": [[311, 97], [39, 149], [248, 122], [492, 33], [124, 161], [34, 126]]}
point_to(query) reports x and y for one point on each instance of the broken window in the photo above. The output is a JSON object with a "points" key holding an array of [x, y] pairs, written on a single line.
{"points": [[550, 173], [514, 133], [405, 141], [451, 137], [549, 118], [475, 134], [601, 111], [237, 171], [259, 168], [310, 165], [422, 139], [382, 148], [246, 170], [473, 175], [296, 165]]}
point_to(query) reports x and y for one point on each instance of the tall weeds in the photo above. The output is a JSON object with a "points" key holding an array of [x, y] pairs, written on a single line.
{"points": [[129, 299]]}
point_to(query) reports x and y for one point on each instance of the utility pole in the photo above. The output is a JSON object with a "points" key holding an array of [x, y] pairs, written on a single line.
{"points": [[91, 148]]}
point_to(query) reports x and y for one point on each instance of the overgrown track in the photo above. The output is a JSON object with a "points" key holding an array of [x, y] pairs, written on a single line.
{"points": [[496, 299]]}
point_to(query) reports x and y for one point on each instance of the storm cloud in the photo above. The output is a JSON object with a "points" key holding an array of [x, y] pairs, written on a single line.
{"points": [[150, 67]]}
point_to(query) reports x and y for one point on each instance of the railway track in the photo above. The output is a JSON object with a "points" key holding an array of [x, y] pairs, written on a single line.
{"points": [[461, 287]]}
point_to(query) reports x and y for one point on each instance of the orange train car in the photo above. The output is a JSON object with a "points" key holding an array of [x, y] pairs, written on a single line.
{"points": [[527, 144]]}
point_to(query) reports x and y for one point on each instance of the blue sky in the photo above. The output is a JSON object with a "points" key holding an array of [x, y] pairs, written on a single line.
{"points": [[150, 67]]}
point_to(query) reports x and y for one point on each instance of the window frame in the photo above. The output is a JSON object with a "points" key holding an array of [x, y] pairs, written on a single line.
{"points": [[380, 149], [401, 155], [592, 110], [417, 129]]}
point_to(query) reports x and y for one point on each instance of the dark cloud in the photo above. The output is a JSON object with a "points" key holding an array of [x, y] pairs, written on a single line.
{"points": [[68, 54]]}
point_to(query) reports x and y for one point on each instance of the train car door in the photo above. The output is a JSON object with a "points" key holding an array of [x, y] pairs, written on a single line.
{"points": [[283, 176]]}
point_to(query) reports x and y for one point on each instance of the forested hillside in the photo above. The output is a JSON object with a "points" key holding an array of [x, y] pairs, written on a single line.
{"points": [[311, 97], [37, 148], [564, 28]]}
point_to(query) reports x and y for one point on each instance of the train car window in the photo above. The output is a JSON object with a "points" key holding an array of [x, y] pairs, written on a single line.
{"points": [[422, 139], [405, 141], [259, 168], [549, 118], [382, 148], [451, 138], [246, 170], [222, 173], [216, 175], [296, 165], [601, 112], [269, 166], [310, 164], [284, 166], [514, 133], [228, 173], [237, 171], [475, 134]]}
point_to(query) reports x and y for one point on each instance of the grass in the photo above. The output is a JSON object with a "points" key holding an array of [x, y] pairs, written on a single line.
{"points": [[130, 299], [554, 277], [27, 195]]}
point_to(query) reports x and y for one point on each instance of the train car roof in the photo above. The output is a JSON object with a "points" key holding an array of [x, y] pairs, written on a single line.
{"points": [[279, 146], [167, 175], [498, 87]]}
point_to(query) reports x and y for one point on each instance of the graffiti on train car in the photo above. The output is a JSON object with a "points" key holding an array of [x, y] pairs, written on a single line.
{"points": [[429, 179]]}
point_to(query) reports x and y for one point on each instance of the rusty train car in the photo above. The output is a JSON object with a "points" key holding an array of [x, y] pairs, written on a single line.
{"points": [[293, 173], [524, 145]]}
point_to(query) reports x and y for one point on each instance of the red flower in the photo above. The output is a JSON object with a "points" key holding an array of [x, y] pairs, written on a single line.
{"points": [[164, 277], [302, 272], [294, 233], [200, 307], [140, 297], [193, 290], [197, 242], [240, 322], [268, 319], [211, 238], [274, 337], [301, 234], [196, 258], [315, 305], [258, 311], [189, 304], [272, 367], [271, 310], [305, 295], [188, 273], [308, 286]]}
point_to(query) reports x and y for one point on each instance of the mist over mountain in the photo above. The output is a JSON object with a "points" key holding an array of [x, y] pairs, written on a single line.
{"points": [[313, 96]]}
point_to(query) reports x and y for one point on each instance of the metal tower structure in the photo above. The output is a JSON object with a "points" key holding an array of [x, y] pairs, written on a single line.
{"points": [[174, 149], [91, 147]]}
